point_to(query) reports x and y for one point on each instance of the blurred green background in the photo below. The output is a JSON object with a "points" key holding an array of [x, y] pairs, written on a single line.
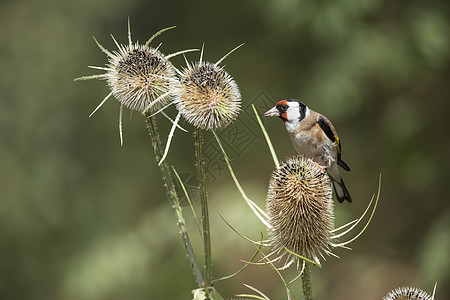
{"points": [[83, 218]]}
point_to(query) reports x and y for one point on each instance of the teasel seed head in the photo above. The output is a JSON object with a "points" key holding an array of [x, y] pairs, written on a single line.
{"points": [[207, 96], [138, 75], [407, 293], [300, 209]]}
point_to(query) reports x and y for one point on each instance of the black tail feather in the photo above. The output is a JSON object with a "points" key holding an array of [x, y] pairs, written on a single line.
{"points": [[343, 165], [339, 196]]}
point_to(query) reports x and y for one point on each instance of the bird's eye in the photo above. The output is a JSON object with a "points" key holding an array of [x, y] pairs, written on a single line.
{"points": [[284, 107]]}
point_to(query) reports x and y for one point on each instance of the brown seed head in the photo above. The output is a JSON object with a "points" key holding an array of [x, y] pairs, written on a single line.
{"points": [[138, 75], [300, 208], [407, 293], [207, 96]]}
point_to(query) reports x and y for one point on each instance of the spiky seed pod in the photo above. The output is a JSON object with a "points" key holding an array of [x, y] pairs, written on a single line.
{"points": [[207, 96], [407, 293], [138, 75], [300, 209]]}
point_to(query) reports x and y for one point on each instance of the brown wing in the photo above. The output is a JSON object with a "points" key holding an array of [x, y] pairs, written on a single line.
{"points": [[330, 132]]}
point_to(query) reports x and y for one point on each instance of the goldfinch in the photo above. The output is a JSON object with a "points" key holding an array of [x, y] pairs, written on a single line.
{"points": [[313, 135]]}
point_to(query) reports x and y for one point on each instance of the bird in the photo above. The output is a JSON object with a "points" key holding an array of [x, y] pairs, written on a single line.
{"points": [[313, 136]]}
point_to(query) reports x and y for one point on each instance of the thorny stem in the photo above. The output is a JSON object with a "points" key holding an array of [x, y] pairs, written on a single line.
{"points": [[204, 205], [173, 197], [306, 283]]}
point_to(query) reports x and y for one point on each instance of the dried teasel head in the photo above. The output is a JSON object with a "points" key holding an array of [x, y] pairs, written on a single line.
{"points": [[407, 293], [300, 209], [140, 77], [207, 96]]}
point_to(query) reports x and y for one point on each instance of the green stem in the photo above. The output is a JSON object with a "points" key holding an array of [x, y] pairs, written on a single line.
{"points": [[173, 197], [204, 205], [306, 283]]}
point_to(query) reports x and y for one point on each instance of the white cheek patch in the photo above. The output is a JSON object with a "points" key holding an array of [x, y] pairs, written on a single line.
{"points": [[293, 113], [291, 116]]}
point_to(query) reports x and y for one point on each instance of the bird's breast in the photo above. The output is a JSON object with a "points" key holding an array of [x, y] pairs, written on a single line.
{"points": [[304, 144], [320, 150]]}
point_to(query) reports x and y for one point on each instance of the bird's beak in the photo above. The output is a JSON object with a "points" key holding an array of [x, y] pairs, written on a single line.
{"points": [[273, 112]]}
